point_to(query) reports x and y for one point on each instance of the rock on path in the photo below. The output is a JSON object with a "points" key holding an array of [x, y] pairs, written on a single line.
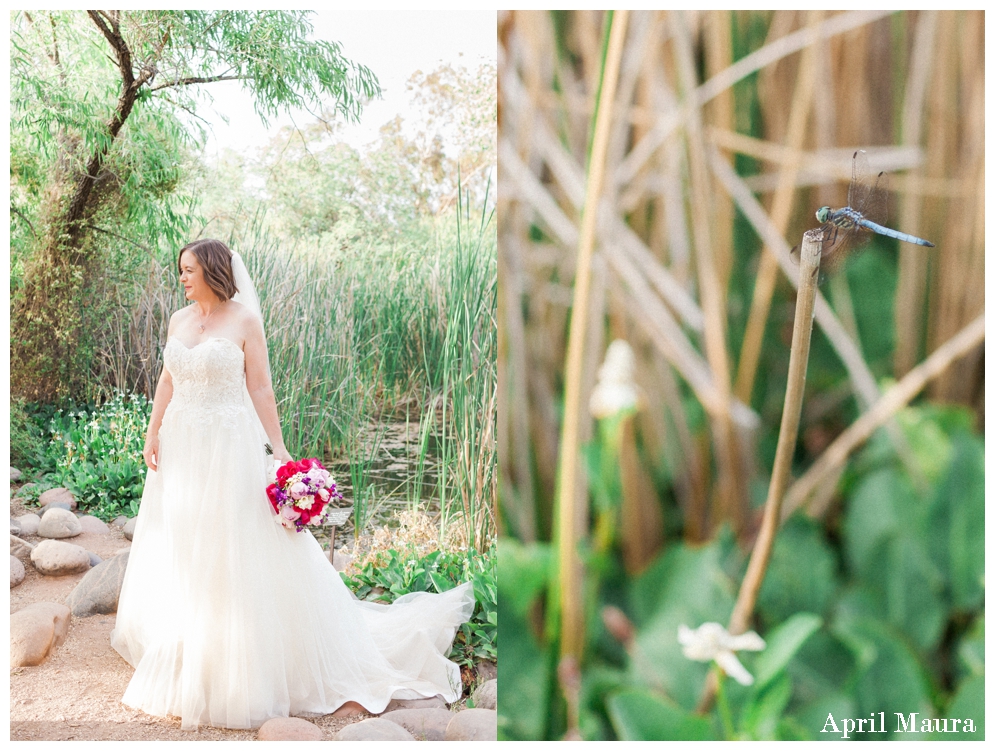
{"points": [[98, 591], [289, 729], [35, 631], [29, 523], [55, 558], [473, 725], [374, 729], [16, 571], [62, 495], [93, 525], [58, 523], [485, 696], [424, 724]]}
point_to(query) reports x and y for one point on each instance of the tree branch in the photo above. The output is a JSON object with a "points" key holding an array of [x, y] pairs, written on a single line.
{"points": [[194, 79], [120, 237]]}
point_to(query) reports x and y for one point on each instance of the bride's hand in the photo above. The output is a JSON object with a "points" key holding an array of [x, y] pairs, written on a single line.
{"points": [[151, 453], [281, 457]]}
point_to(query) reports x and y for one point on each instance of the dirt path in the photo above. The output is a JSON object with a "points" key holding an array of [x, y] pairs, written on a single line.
{"points": [[76, 693]]}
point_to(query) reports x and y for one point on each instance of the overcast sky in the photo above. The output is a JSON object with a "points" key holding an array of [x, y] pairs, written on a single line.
{"points": [[392, 43]]}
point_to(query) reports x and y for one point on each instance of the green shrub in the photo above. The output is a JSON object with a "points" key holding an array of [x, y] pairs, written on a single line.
{"points": [[98, 454], [402, 571]]}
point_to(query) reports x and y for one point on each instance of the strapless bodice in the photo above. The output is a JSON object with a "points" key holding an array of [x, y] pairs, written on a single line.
{"points": [[207, 378]]}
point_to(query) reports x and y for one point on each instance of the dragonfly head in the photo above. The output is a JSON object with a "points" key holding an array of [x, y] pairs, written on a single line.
{"points": [[822, 214]]}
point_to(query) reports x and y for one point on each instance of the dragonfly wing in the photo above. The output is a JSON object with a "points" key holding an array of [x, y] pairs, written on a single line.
{"points": [[868, 196], [838, 243], [856, 197]]}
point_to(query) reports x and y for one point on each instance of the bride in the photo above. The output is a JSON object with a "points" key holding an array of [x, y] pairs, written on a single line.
{"points": [[228, 618]]}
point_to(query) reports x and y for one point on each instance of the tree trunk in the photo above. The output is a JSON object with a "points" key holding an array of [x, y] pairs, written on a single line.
{"points": [[46, 358]]}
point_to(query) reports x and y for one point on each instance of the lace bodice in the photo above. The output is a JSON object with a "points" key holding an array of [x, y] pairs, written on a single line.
{"points": [[207, 379]]}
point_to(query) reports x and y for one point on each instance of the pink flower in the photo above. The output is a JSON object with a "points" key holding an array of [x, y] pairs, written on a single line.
{"points": [[323, 495], [298, 490], [289, 513]]}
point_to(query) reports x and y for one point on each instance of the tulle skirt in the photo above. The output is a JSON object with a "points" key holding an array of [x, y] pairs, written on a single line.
{"points": [[229, 619]]}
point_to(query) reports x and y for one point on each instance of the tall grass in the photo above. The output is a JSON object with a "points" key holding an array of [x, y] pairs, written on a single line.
{"points": [[356, 339]]}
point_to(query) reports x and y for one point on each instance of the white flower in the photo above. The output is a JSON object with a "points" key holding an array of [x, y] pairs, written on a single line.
{"points": [[616, 388], [710, 641]]}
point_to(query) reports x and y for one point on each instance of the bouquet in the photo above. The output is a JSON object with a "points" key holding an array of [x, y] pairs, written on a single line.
{"points": [[301, 494]]}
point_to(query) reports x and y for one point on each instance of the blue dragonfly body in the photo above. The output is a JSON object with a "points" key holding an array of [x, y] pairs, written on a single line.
{"points": [[844, 230]]}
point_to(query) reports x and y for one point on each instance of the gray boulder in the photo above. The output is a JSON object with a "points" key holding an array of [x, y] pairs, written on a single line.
{"points": [[15, 474], [288, 729], [16, 571], [29, 523], [35, 631], [98, 591], [57, 495], [15, 526], [485, 695], [129, 527], [93, 525], [473, 725], [424, 724], [54, 558], [374, 729], [486, 670], [58, 523]]}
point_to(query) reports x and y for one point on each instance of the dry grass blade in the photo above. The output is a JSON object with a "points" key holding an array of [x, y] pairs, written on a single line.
{"points": [[569, 585]]}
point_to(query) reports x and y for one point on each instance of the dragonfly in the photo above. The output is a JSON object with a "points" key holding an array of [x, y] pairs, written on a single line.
{"points": [[848, 229]]}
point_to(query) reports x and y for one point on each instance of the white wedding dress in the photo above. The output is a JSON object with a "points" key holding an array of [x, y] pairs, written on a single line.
{"points": [[230, 619]]}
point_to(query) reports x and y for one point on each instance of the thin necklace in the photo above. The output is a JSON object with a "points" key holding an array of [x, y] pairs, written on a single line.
{"points": [[204, 322]]}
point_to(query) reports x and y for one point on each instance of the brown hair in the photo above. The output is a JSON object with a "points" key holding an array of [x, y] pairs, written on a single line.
{"points": [[215, 258]]}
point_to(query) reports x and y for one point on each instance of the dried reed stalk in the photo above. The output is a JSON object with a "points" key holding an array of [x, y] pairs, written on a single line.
{"points": [[835, 455], [732, 500], [780, 214]]}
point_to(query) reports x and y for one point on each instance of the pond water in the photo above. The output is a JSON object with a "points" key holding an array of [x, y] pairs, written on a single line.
{"points": [[394, 477]]}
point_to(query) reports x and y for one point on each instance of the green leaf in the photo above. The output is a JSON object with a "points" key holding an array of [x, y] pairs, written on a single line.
{"points": [[762, 714], [969, 703], [782, 645], [686, 586], [526, 673], [889, 678], [641, 716], [523, 573], [802, 575]]}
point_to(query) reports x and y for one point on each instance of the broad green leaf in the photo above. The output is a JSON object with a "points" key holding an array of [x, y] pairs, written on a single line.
{"points": [[641, 716], [971, 651], [969, 703], [802, 575], [764, 710], [782, 645], [526, 669], [889, 678], [523, 573], [686, 586], [957, 522]]}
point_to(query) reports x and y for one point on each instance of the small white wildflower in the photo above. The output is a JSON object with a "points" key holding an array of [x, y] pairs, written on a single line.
{"points": [[710, 641], [616, 388]]}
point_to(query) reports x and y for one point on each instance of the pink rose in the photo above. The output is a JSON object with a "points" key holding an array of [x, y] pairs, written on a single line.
{"points": [[289, 513]]}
